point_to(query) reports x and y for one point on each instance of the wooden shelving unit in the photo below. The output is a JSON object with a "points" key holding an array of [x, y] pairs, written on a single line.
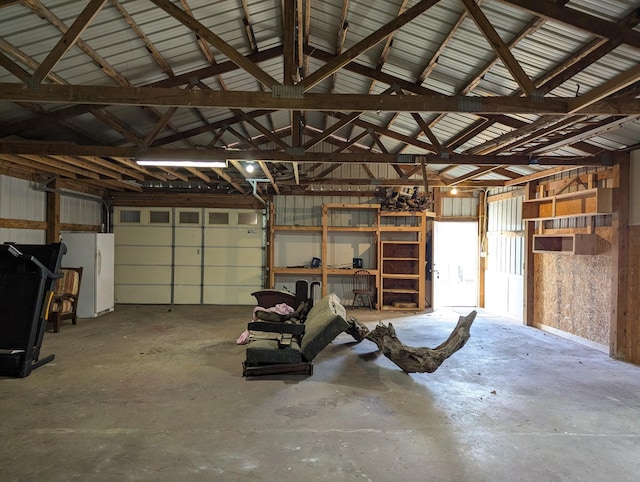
{"points": [[398, 256], [587, 202], [571, 243], [590, 202], [403, 260], [327, 230], [402, 273]]}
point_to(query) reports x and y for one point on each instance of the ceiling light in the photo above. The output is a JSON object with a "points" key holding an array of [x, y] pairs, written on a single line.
{"points": [[250, 167], [454, 191], [180, 158], [180, 163]]}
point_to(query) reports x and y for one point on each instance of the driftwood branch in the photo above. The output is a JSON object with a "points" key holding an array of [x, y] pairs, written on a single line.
{"points": [[411, 359]]}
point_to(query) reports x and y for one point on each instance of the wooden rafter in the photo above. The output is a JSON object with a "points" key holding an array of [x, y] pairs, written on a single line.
{"points": [[499, 47], [289, 23], [159, 59], [580, 20], [68, 40], [203, 32], [365, 44]]}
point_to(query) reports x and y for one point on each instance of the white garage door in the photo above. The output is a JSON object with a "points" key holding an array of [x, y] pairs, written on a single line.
{"points": [[188, 255]]}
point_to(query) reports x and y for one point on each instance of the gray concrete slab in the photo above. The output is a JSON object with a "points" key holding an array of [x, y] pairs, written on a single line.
{"points": [[157, 393]]}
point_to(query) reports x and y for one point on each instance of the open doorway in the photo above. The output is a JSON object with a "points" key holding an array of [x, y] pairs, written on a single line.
{"points": [[455, 264]]}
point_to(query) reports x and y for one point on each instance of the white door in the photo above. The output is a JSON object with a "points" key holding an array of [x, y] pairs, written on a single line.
{"points": [[455, 264], [143, 255], [188, 255], [234, 241]]}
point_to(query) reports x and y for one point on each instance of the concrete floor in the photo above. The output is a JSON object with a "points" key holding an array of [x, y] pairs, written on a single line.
{"points": [[156, 393]]}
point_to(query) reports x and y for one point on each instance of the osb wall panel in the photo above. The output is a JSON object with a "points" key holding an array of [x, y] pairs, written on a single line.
{"points": [[633, 287], [573, 292]]}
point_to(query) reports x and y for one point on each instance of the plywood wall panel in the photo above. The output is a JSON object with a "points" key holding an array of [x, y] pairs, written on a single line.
{"points": [[573, 292]]}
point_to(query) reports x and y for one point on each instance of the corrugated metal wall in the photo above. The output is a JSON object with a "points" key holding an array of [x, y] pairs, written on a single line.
{"points": [[21, 200], [79, 210], [307, 211], [18, 200], [504, 248], [459, 206]]}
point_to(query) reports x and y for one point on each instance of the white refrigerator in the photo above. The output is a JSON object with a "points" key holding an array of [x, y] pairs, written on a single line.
{"points": [[95, 253]]}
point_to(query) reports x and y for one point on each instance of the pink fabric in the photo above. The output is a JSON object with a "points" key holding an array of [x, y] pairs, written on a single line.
{"points": [[280, 308], [243, 339]]}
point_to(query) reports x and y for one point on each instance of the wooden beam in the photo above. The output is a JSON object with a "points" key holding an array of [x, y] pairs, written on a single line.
{"points": [[341, 37], [541, 175], [53, 212], [288, 40], [499, 47], [611, 86], [153, 133], [529, 263], [79, 94], [621, 325], [12, 67], [45, 13], [332, 129], [67, 41], [265, 169], [203, 32], [471, 175], [9, 147], [575, 18], [365, 44], [151, 48], [424, 127], [22, 224]]}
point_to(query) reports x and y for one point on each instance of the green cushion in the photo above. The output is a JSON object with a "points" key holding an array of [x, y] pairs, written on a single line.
{"points": [[325, 321], [270, 351]]}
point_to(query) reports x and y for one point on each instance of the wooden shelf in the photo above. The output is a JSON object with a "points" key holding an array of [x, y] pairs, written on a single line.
{"points": [[299, 228], [572, 243], [284, 270], [587, 202], [352, 229], [397, 260], [402, 275]]}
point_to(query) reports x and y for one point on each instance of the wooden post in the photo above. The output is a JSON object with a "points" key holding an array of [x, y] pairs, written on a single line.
{"points": [[53, 212], [324, 250], [482, 265], [529, 266], [620, 324]]}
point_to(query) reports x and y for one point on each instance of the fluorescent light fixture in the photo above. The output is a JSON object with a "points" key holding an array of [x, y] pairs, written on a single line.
{"points": [[180, 163]]}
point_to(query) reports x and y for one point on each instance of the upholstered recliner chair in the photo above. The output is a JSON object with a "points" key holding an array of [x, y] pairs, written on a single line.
{"points": [[64, 305], [291, 347]]}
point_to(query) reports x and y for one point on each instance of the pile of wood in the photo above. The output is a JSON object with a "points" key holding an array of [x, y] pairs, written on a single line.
{"points": [[398, 200]]}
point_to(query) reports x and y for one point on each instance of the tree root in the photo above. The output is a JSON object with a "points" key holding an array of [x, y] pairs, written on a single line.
{"points": [[412, 359]]}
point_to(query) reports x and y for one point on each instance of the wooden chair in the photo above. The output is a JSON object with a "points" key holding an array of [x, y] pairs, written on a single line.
{"points": [[64, 304], [364, 288]]}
